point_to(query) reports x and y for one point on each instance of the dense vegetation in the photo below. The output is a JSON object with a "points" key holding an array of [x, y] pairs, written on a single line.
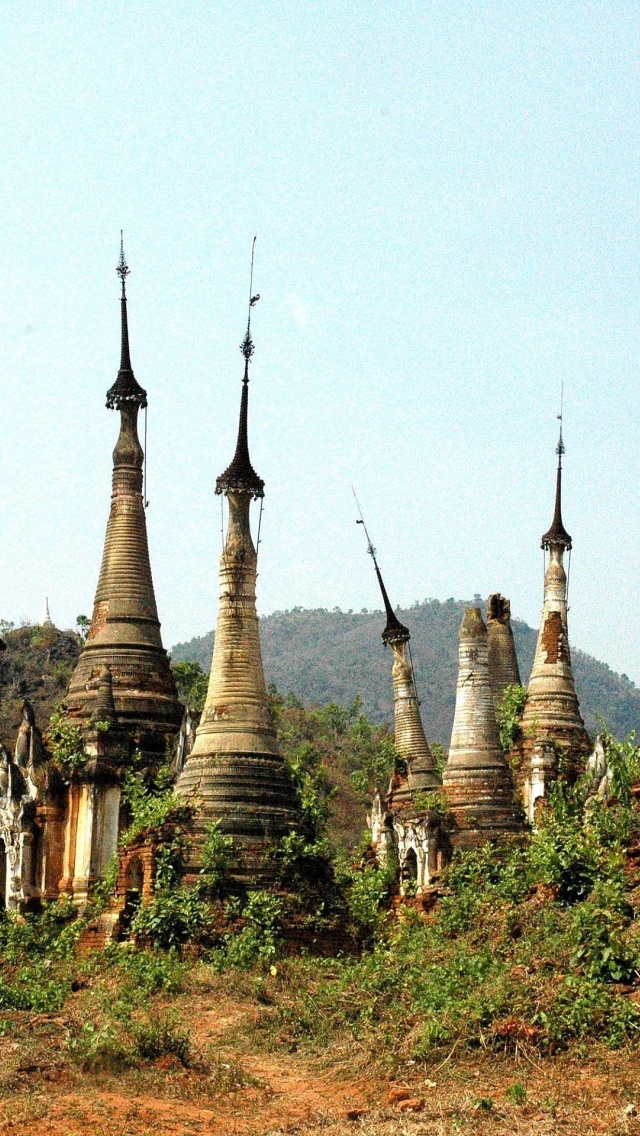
{"points": [[37, 664], [531, 947], [536, 946], [334, 656]]}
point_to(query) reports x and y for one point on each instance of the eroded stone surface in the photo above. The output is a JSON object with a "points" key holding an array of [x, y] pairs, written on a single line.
{"points": [[477, 779], [503, 661], [235, 772]]}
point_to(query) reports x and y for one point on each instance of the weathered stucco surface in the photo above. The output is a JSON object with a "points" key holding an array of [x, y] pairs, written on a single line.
{"points": [[477, 779], [235, 771]]}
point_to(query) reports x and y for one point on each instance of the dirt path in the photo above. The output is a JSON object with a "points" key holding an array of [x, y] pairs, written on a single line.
{"points": [[244, 1092]]}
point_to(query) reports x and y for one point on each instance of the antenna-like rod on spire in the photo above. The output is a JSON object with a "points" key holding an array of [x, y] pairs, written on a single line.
{"points": [[560, 446], [395, 631], [123, 269], [247, 346]]}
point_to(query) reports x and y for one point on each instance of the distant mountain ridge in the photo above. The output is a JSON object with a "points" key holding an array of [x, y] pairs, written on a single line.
{"points": [[333, 656]]}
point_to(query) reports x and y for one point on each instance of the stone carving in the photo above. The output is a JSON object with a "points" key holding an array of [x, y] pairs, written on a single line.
{"points": [[20, 780]]}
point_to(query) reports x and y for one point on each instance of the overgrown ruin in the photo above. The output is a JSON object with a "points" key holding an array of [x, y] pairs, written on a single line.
{"points": [[61, 807]]}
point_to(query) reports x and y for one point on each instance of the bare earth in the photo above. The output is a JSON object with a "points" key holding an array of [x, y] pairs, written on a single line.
{"points": [[241, 1091]]}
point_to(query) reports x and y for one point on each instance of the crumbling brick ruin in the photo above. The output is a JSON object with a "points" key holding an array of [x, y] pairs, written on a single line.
{"points": [[503, 661], [477, 779]]}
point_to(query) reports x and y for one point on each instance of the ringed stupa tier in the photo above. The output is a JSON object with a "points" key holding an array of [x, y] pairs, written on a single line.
{"points": [[235, 771], [503, 661], [477, 779], [552, 725], [124, 635]]}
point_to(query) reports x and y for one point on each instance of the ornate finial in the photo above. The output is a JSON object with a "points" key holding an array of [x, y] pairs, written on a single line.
{"points": [[395, 631], [126, 388], [247, 346], [240, 475], [557, 534], [123, 269], [560, 446]]}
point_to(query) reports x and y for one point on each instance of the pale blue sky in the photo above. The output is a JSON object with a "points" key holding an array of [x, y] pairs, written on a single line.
{"points": [[446, 197]]}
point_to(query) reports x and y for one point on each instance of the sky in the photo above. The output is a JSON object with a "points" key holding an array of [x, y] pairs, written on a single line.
{"points": [[446, 202]]}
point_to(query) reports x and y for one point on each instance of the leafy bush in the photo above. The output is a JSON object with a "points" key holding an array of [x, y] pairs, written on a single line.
{"points": [[152, 803], [217, 856], [51, 933], [145, 972], [100, 1048], [65, 742], [367, 893], [260, 938], [161, 1036], [510, 715]]}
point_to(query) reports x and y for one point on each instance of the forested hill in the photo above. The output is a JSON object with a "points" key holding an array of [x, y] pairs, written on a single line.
{"points": [[326, 656]]}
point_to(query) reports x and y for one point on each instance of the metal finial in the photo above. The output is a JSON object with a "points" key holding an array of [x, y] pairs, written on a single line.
{"points": [[395, 631], [247, 346], [370, 549], [560, 447], [122, 269]]}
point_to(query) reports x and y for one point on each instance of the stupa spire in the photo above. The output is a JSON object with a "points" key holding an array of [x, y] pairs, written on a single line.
{"points": [[240, 474], [551, 721], [557, 534], [46, 617], [125, 388], [235, 768], [124, 634], [394, 631], [417, 769]]}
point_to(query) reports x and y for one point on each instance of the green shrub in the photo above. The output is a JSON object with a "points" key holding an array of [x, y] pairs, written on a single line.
{"points": [[510, 715], [97, 1048], [146, 972], [51, 933], [65, 742], [260, 938], [366, 896], [174, 916], [160, 1036], [151, 803], [217, 856], [192, 683]]}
